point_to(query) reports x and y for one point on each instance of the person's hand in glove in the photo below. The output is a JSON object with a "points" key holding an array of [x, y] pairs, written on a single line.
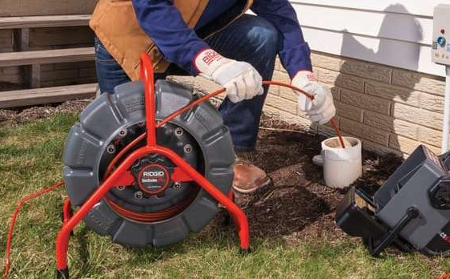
{"points": [[322, 108], [240, 79]]}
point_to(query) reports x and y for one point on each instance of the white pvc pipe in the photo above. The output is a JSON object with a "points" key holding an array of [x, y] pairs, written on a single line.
{"points": [[446, 125]]}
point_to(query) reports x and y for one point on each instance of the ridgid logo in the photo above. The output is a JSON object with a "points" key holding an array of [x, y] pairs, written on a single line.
{"points": [[153, 179], [153, 174]]}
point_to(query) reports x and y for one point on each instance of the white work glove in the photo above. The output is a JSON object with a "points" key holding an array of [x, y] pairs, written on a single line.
{"points": [[322, 108], [240, 79]]}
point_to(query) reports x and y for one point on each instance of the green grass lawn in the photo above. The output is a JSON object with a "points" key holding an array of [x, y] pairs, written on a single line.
{"points": [[31, 158]]}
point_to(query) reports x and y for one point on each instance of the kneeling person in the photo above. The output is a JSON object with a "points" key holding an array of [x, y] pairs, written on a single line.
{"points": [[215, 39]]}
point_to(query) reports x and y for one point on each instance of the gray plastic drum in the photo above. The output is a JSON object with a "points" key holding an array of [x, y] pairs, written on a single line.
{"points": [[103, 120]]}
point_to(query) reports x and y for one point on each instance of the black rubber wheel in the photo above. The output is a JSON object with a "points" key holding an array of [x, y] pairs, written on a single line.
{"points": [[121, 116]]}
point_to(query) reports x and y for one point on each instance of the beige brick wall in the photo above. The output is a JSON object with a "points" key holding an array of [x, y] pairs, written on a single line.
{"points": [[391, 110]]}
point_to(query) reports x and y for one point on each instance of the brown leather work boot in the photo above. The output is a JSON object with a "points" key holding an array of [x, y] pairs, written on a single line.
{"points": [[248, 178]]}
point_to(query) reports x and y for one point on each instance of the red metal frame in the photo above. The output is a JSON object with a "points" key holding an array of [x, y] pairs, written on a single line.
{"points": [[67, 210], [120, 174]]}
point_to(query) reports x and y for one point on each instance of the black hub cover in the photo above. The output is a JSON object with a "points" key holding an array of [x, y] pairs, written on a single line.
{"points": [[153, 177], [153, 189]]}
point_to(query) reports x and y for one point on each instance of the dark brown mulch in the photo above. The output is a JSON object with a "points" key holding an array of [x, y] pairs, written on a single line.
{"points": [[297, 204], [20, 115]]}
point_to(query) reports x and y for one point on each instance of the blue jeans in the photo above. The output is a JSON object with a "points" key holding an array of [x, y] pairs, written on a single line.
{"points": [[251, 39]]}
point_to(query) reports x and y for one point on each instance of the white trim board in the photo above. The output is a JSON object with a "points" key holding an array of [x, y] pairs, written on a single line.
{"points": [[383, 51], [400, 27], [395, 33], [415, 7]]}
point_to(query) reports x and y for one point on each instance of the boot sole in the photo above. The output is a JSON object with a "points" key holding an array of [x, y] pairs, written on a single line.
{"points": [[250, 191]]}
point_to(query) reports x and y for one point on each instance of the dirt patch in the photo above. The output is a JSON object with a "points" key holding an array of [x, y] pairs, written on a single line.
{"points": [[20, 115], [297, 204]]}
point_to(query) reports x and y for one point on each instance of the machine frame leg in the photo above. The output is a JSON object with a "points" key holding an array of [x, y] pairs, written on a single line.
{"points": [[67, 210], [390, 237], [62, 241], [228, 218]]}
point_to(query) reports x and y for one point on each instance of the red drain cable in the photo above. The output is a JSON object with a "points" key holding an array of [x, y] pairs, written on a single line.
{"points": [[139, 216], [217, 92], [332, 121]]}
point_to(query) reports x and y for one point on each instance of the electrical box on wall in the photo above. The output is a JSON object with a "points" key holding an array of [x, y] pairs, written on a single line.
{"points": [[441, 35]]}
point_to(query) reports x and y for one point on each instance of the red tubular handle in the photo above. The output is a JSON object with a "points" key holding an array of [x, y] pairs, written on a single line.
{"points": [[149, 98]]}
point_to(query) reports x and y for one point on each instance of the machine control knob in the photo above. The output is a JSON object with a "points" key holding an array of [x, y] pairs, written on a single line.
{"points": [[440, 194], [441, 41]]}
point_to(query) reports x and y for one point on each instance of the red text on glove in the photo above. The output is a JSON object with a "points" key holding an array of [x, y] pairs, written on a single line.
{"points": [[211, 56]]}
